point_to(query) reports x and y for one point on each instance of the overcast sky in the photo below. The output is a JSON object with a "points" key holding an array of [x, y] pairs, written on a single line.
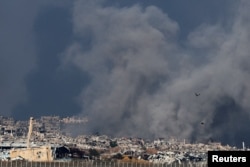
{"points": [[133, 67]]}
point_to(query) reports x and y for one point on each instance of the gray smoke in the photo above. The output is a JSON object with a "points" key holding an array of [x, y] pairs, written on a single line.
{"points": [[143, 80]]}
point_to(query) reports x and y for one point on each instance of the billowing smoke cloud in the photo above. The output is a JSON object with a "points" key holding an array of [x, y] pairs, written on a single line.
{"points": [[142, 80]]}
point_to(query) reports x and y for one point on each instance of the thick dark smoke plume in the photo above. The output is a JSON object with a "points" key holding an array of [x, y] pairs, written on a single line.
{"points": [[144, 80], [141, 75]]}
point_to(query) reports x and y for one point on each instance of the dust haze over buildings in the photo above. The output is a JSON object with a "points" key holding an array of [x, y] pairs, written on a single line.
{"points": [[132, 68]]}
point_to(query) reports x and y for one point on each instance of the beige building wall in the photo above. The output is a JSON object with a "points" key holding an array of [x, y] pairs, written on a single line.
{"points": [[33, 154]]}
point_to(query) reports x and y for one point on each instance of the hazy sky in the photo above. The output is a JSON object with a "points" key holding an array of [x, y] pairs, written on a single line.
{"points": [[132, 66]]}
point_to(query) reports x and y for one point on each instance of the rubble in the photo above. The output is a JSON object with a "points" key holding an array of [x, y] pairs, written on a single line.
{"points": [[47, 131]]}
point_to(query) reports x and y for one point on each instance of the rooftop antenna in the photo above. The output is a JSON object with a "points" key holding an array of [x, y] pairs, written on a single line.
{"points": [[30, 131]]}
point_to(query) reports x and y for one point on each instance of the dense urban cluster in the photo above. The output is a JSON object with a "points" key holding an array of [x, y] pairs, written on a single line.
{"points": [[49, 130]]}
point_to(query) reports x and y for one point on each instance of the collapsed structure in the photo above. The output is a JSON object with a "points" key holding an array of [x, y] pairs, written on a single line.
{"points": [[43, 153]]}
